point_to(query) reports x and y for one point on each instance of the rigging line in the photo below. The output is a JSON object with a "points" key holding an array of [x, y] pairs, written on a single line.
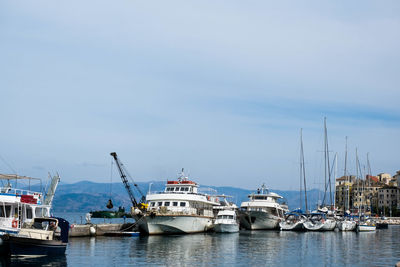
{"points": [[8, 165]]}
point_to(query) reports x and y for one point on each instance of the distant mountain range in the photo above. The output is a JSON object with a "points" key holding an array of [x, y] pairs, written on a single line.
{"points": [[88, 196]]}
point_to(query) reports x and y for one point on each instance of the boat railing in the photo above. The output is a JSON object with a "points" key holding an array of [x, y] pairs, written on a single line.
{"points": [[17, 192], [181, 211]]}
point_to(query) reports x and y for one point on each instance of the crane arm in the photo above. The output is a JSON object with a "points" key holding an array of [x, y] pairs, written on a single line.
{"points": [[124, 179]]}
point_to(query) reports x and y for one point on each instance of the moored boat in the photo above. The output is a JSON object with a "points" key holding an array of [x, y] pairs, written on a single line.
{"points": [[319, 222], [179, 209], [262, 211], [294, 221], [226, 222], [347, 225], [20, 206], [44, 237], [366, 226]]}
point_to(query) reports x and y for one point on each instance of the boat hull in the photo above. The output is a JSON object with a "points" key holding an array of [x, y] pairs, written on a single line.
{"points": [[226, 228], [21, 246], [347, 226], [259, 220], [174, 224], [366, 228], [298, 226], [327, 225]]}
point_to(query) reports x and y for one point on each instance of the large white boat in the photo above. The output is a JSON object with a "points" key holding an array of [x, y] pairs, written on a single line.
{"points": [[179, 209], [262, 210]]}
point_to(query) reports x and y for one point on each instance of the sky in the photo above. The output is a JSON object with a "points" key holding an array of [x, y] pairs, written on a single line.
{"points": [[220, 88]]}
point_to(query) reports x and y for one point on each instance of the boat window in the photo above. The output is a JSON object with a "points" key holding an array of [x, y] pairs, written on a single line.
{"points": [[159, 204], [175, 204], [166, 203], [230, 216], [28, 213], [7, 210], [39, 212], [182, 189], [176, 188], [186, 188], [183, 204], [152, 204]]}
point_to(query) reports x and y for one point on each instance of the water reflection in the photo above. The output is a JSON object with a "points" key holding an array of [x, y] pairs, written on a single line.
{"points": [[34, 261], [247, 248]]}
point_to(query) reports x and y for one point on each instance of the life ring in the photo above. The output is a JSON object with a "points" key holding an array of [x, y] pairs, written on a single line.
{"points": [[208, 198], [14, 223]]}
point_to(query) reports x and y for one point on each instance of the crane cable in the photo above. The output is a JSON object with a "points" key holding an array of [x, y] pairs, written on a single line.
{"points": [[109, 203]]}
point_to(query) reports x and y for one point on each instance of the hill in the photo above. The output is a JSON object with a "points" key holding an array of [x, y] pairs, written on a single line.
{"points": [[85, 196]]}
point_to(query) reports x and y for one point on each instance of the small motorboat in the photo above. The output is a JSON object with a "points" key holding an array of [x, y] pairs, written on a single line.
{"points": [[45, 236], [366, 226], [226, 222]]}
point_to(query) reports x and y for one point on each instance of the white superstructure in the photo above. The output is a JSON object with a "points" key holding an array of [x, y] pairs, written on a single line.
{"points": [[19, 206], [262, 210], [178, 209]]}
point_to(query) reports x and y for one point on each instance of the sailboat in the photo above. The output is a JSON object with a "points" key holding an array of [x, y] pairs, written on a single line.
{"points": [[322, 219], [363, 224], [294, 220], [346, 224]]}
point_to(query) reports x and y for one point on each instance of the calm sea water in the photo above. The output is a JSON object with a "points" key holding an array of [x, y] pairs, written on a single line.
{"points": [[247, 248]]}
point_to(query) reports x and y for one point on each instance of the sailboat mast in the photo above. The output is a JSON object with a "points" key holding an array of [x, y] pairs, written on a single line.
{"points": [[303, 169], [334, 178], [327, 166], [347, 200], [358, 183]]}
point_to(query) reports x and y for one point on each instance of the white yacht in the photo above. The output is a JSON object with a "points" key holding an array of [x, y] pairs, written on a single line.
{"points": [[262, 210], [226, 222], [226, 219], [179, 209]]}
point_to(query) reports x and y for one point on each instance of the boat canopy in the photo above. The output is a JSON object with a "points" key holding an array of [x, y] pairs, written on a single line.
{"points": [[16, 177]]}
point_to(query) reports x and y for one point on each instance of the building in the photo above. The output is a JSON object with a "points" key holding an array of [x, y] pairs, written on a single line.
{"points": [[384, 178], [396, 178], [342, 192], [364, 195], [388, 198]]}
